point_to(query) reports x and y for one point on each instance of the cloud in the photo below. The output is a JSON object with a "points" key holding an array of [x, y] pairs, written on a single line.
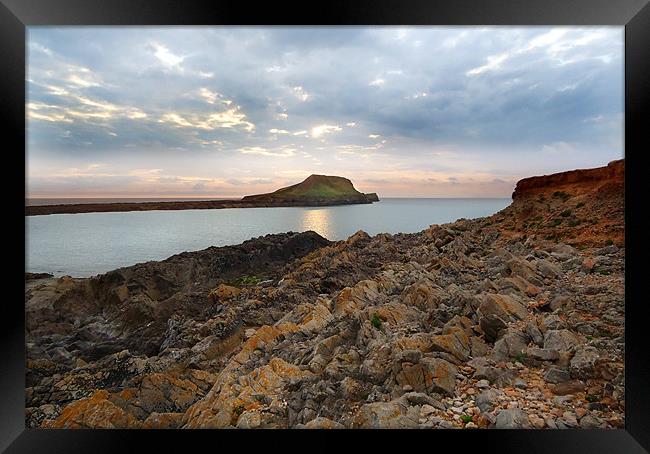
{"points": [[300, 93], [493, 98], [320, 130], [165, 56], [212, 97], [559, 148], [230, 118], [281, 153], [493, 62]]}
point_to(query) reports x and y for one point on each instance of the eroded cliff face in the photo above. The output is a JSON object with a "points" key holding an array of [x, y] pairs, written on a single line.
{"points": [[580, 207], [577, 182], [476, 323]]}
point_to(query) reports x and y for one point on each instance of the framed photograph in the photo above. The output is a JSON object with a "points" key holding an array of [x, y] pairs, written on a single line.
{"points": [[361, 219]]}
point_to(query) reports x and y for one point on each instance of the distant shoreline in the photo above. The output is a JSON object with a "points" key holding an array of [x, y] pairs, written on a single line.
{"points": [[112, 207], [42, 201]]}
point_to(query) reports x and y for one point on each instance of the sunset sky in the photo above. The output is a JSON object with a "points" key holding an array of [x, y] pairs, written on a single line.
{"points": [[404, 112]]}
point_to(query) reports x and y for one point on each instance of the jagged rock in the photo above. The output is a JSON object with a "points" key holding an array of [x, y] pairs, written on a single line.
{"points": [[560, 301], [94, 412], [542, 354], [512, 419], [521, 268], [560, 340], [496, 376], [423, 295], [415, 398], [568, 387], [323, 423], [387, 415], [428, 375], [548, 269], [592, 422], [224, 292], [478, 347], [161, 393], [556, 375], [376, 367], [405, 330], [583, 363], [534, 333], [496, 311], [552, 322], [486, 400], [162, 421], [512, 345], [456, 343]]}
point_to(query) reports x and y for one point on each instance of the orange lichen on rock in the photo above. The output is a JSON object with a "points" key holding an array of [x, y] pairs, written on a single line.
{"points": [[94, 412]]}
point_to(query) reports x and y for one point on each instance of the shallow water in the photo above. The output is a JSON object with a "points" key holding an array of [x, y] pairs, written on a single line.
{"points": [[91, 243]]}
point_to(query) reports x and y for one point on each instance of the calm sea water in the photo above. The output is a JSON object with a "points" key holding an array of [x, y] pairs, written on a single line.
{"points": [[91, 243]]}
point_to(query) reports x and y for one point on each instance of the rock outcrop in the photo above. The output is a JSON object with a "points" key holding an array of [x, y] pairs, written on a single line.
{"points": [[469, 324], [580, 208]]}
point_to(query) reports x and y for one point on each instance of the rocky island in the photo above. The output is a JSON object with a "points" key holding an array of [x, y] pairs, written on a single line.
{"points": [[515, 320], [316, 190]]}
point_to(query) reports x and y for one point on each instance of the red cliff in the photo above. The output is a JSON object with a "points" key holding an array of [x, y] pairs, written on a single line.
{"points": [[581, 180], [583, 207]]}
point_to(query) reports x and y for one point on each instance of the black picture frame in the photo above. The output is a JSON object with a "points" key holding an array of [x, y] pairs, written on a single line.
{"points": [[16, 15]]}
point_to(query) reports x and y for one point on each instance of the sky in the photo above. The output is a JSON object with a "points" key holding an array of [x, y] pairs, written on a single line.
{"points": [[401, 111]]}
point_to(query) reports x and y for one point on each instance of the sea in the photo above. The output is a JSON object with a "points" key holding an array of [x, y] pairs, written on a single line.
{"points": [[86, 244]]}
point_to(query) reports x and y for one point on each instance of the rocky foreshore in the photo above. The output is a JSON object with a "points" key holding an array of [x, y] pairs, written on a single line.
{"points": [[511, 321]]}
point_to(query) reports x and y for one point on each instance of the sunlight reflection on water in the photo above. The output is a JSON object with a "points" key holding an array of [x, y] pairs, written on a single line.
{"points": [[318, 220]]}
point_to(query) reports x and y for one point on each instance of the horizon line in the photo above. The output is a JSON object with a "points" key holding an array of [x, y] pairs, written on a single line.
{"points": [[239, 198]]}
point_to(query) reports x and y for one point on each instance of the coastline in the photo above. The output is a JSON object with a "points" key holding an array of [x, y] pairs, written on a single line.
{"points": [[314, 191], [41, 210], [492, 322]]}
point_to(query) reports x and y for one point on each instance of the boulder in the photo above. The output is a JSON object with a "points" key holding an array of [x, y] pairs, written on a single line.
{"points": [[415, 398], [522, 268], [423, 295], [568, 387], [512, 418], [94, 412], [496, 311], [552, 321], [224, 292], [557, 375], [583, 363], [560, 340], [323, 423], [383, 415], [163, 421], [486, 400], [428, 375], [548, 269], [456, 343], [512, 345], [542, 354]]}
